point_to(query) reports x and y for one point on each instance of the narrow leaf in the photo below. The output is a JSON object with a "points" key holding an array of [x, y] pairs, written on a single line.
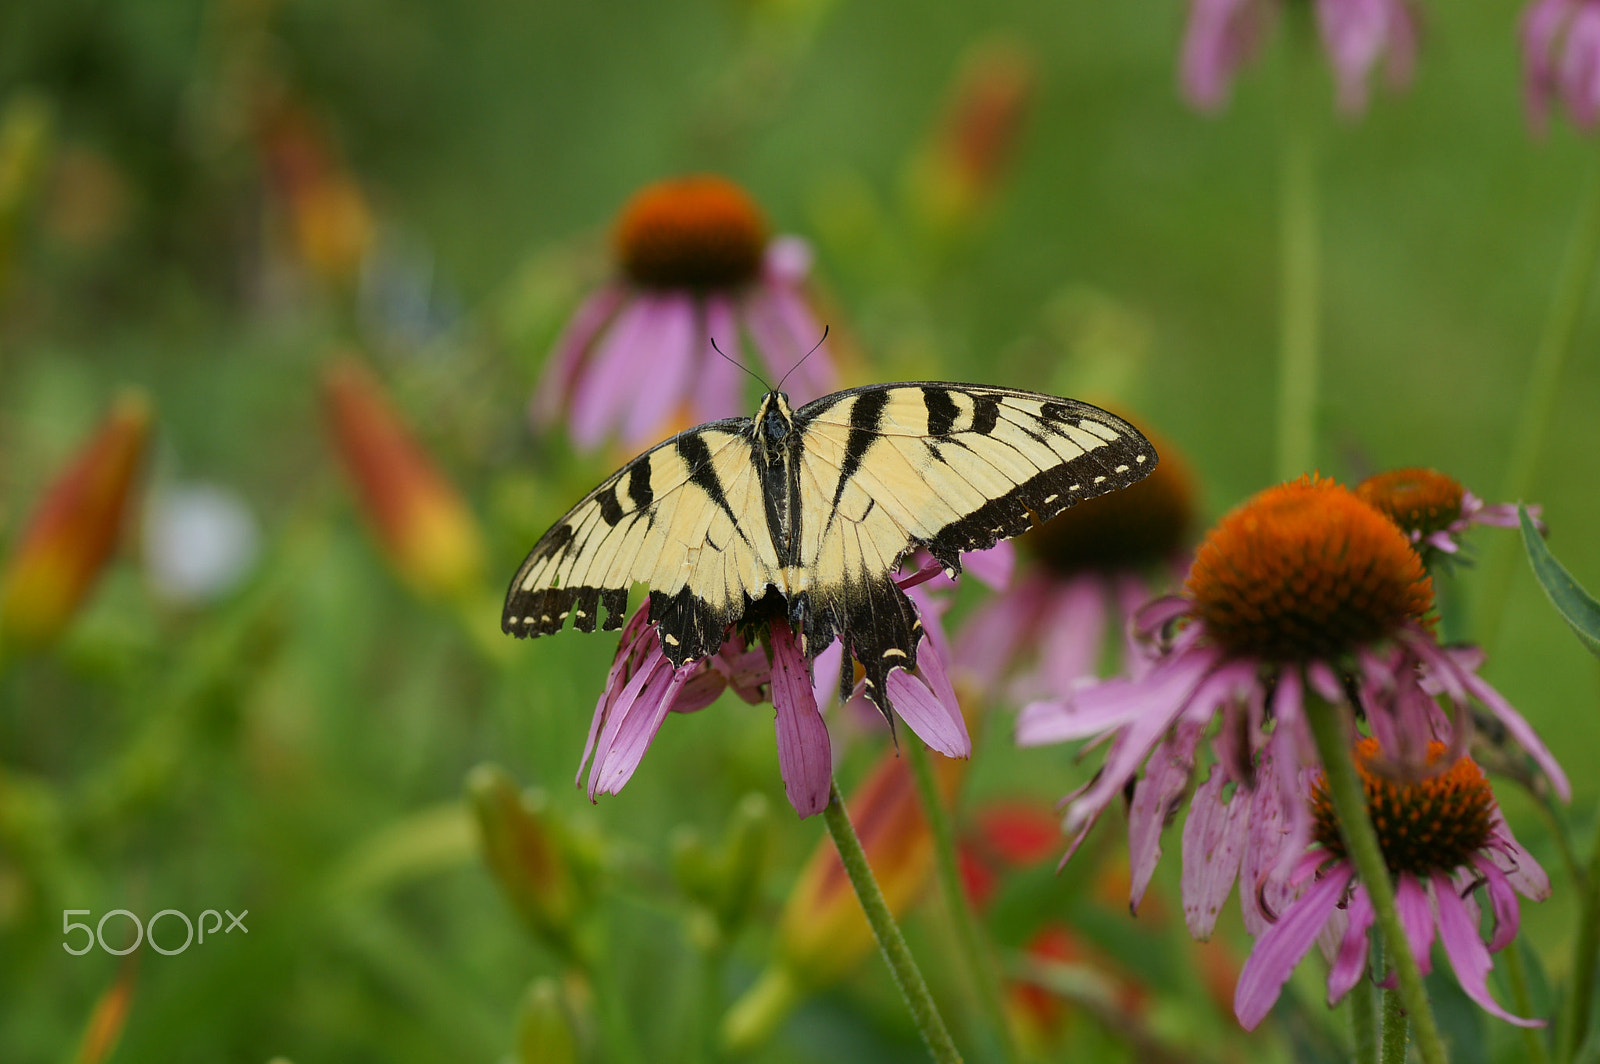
{"points": [[1576, 606]]}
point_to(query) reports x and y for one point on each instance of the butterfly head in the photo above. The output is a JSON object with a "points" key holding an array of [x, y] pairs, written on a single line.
{"points": [[774, 419]]}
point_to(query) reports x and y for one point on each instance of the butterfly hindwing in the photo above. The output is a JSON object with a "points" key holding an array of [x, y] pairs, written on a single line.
{"points": [[949, 467]]}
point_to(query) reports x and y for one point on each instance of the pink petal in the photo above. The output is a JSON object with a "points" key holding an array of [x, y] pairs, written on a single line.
{"points": [[1213, 842], [1521, 731], [719, 390], [672, 370], [995, 632], [621, 366], [816, 376], [633, 724], [1220, 37], [805, 759], [787, 260], [1458, 930], [1503, 901], [1351, 963], [1151, 703], [703, 687], [1070, 634], [1521, 870], [1281, 946], [1416, 918], [566, 357], [992, 567], [925, 712], [1541, 24], [825, 673], [1155, 800]]}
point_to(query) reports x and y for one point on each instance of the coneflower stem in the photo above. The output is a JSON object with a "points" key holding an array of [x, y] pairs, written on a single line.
{"points": [[1533, 1047], [1573, 285], [1334, 743], [1575, 1010], [975, 951], [1300, 251], [902, 965], [1363, 1022], [1396, 1030]]}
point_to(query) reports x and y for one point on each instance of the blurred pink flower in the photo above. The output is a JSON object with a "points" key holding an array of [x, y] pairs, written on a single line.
{"points": [[643, 687], [1223, 35], [1464, 844], [695, 265], [1561, 54]]}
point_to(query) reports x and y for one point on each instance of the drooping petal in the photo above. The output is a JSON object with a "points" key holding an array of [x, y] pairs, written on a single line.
{"points": [[992, 567], [1521, 731], [1155, 798], [620, 367], [1220, 37], [719, 390], [925, 712], [816, 376], [1503, 901], [805, 758], [1280, 947], [1416, 918], [1458, 930], [1351, 963], [1070, 634], [566, 359], [1580, 66], [1541, 24], [672, 370], [1213, 842], [637, 643], [1522, 871], [995, 632], [633, 723], [1153, 702]]}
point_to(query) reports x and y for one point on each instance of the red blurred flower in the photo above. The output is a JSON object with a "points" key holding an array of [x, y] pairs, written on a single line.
{"points": [[417, 515], [329, 219], [75, 528]]}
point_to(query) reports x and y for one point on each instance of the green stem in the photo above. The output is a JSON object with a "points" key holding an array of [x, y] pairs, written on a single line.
{"points": [[1300, 253], [611, 1005], [1573, 284], [1332, 733], [1363, 1021], [1533, 1047], [903, 966], [1396, 1030], [1575, 1010], [979, 958]]}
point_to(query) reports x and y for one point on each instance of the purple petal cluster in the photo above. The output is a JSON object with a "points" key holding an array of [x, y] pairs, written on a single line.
{"points": [[1561, 58]]}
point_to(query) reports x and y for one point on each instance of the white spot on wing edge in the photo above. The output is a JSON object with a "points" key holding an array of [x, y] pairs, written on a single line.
{"points": [[669, 639], [1120, 469], [1099, 480], [1140, 459]]}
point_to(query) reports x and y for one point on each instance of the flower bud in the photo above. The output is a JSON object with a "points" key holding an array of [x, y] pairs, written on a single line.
{"points": [[544, 1029], [423, 524], [74, 530], [329, 219], [531, 855]]}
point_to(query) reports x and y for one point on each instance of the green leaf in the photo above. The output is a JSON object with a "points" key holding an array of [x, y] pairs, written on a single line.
{"points": [[1576, 606]]}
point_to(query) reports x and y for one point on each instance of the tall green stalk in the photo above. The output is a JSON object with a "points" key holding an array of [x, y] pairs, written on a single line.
{"points": [[1585, 947], [1300, 252], [903, 966], [1396, 1030], [979, 958], [1573, 285], [1334, 742], [1363, 1010]]}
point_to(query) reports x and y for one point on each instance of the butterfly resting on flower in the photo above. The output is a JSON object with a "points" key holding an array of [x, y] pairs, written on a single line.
{"points": [[803, 516]]}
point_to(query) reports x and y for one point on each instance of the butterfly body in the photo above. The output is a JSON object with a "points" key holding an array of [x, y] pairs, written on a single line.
{"points": [[811, 511]]}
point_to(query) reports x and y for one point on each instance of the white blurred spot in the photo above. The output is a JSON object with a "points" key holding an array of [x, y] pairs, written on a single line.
{"points": [[200, 540]]}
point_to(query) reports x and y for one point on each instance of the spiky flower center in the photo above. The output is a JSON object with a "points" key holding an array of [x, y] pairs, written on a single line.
{"points": [[1138, 526], [692, 232], [1434, 824], [1306, 570], [1420, 501]]}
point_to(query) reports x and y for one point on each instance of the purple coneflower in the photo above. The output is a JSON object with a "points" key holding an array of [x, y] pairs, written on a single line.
{"points": [[1442, 837], [695, 266], [1223, 34], [1433, 509], [761, 662], [1561, 54], [1304, 589], [1093, 567]]}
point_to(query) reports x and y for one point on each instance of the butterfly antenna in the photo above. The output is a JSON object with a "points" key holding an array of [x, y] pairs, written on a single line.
{"points": [[805, 356], [759, 379]]}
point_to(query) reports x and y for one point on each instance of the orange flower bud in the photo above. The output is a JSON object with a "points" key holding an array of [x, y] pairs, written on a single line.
{"points": [[422, 523], [823, 934], [971, 149], [75, 529], [329, 218]]}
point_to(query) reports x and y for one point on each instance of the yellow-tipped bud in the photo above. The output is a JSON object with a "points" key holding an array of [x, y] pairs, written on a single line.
{"points": [[75, 529]]}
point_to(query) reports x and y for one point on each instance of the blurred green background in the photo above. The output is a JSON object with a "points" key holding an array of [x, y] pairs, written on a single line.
{"points": [[295, 743]]}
